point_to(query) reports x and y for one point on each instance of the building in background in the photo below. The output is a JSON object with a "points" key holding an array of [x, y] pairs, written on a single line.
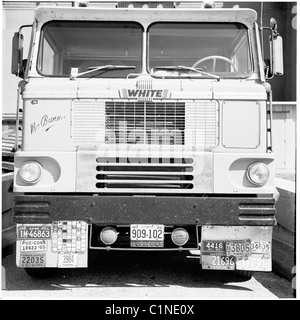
{"points": [[17, 13]]}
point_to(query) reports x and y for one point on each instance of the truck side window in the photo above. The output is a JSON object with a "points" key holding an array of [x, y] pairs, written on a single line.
{"points": [[242, 56], [46, 59]]}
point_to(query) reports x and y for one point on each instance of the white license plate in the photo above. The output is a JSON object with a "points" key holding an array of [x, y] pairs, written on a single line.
{"points": [[261, 247], [67, 260], [256, 262], [33, 245], [147, 235]]}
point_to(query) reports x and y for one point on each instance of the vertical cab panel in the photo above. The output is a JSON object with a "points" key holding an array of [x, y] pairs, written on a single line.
{"points": [[46, 125], [241, 124]]}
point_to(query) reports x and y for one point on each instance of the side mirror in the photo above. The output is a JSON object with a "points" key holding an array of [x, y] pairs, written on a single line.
{"points": [[276, 50], [17, 53], [276, 56], [18, 64], [274, 66]]}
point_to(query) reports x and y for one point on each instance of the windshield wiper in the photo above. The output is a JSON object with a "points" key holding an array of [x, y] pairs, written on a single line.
{"points": [[185, 68], [108, 67]]}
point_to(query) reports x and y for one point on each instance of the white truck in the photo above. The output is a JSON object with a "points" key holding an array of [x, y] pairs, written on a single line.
{"points": [[146, 126]]}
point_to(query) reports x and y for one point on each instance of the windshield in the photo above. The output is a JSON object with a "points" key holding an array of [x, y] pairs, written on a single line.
{"points": [[74, 47], [113, 49], [216, 48]]}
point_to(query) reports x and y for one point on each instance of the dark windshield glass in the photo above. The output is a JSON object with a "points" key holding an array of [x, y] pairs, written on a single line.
{"points": [[75, 46], [217, 48]]}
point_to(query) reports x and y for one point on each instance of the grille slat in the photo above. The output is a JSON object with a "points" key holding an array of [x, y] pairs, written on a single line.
{"points": [[136, 181], [146, 173]]}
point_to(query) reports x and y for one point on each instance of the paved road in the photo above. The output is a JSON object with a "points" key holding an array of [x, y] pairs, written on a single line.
{"points": [[140, 276]]}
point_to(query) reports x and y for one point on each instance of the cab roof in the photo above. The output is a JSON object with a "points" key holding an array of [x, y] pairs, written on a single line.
{"points": [[146, 16]]}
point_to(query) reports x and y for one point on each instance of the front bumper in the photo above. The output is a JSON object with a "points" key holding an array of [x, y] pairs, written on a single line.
{"points": [[56, 231], [125, 210]]}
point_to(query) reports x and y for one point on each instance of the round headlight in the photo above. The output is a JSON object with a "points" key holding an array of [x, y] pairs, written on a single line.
{"points": [[30, 171], [258, 173]]}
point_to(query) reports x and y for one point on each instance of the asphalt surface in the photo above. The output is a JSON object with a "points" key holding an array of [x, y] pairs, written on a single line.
{"points": [[141, 276]]}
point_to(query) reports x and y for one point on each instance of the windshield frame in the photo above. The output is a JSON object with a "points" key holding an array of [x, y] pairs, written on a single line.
{"points": [[197, 76], [38, 70]]}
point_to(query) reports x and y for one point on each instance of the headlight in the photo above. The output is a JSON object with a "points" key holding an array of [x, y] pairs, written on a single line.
{"points": [[258, 173], [30, 171]]}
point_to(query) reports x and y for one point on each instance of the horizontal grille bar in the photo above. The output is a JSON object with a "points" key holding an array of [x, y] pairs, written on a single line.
{"points": [[152, 160], [153, 186]]}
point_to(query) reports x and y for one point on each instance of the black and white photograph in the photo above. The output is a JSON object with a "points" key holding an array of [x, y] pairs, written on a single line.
{"points": [[149, 153]]}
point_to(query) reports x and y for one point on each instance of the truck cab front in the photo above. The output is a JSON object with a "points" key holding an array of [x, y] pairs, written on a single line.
{"points": [[145, 128]]}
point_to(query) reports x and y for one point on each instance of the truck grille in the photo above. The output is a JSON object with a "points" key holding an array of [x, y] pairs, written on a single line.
{"points": [[161, 123], [144, 146], [189, 123]]}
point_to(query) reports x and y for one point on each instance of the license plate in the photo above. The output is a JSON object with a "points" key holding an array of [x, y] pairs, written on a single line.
{"points": [[33, 232], [33, 245], [67, 260], [147, 235], [261, 247], [33, 260], [213, 246], [218, 262], [238, 248], [256, 262]]}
